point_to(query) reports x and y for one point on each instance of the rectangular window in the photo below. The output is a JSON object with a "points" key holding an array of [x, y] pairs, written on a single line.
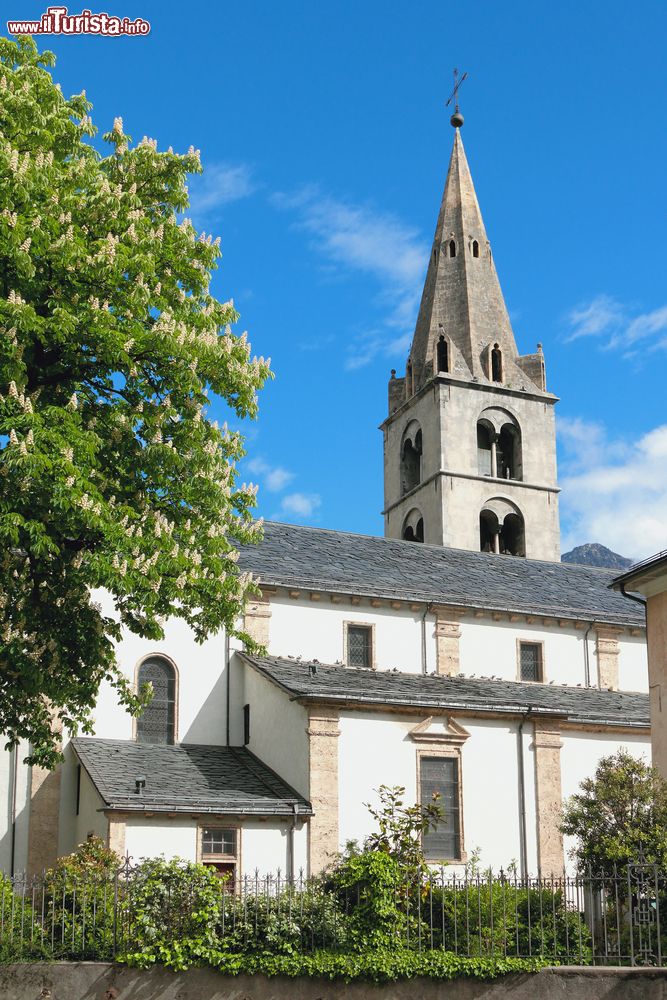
{"points": [[441, 775], [530, 661], [359, 646], [216, 840], [246, 725], [219, 851]]}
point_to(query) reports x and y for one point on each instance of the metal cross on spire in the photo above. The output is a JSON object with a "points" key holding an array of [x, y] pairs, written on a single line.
{"points": [[457, 118]]}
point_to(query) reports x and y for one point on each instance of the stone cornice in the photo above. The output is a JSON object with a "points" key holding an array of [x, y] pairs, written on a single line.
{"points": [[462, 611]]}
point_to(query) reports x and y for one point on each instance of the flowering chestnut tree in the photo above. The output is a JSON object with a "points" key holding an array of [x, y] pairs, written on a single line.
{"points": [[111, 476]]}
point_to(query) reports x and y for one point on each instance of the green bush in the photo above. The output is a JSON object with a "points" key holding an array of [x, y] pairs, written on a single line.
{"points": [[498, 918], [377, 965], [81, 901], [284, 922], [379, 896], [172, 914], [17, 922]]}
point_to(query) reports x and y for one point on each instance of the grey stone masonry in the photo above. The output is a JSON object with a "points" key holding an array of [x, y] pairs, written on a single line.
{"points": [[469, 442]]}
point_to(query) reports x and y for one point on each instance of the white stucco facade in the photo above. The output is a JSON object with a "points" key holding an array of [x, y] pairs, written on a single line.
{"points": [[373, 746]]}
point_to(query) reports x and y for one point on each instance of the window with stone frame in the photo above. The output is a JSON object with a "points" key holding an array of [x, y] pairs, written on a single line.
{"points": [[219, 851], [531, 666], [157, 722], [359, 646], [441, 777]]}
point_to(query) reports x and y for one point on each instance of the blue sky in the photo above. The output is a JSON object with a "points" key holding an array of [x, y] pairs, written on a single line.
{"points": [[325, 143]]}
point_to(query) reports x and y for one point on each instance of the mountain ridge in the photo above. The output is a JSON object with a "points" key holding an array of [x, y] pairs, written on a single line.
{"points": [[595, 554]]}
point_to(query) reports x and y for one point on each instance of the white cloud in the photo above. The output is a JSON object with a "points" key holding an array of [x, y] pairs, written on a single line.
{"points": [[608, 319], [274, 477], [614, 492], [361, 238], [220, 184], [300, 504], [602, 315]]}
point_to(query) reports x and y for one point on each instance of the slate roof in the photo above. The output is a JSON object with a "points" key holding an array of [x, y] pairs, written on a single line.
{"points": [[185, 778], [322, 682], [339, 562]]}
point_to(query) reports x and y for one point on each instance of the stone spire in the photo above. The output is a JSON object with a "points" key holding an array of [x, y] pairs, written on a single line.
{"points": [[462, 301]]}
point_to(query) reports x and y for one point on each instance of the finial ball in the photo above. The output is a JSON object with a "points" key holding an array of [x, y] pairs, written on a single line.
{"points": [[457, 119]]}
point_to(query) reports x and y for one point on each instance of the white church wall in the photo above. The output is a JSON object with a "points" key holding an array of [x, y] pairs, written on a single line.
{"points": [[201, 687], [73, 828], [9, 765], [265, 847], [582, 751], [315, 630], [147, 837], [633, 663], [489, 779], [489, 648], [263, 844], [277, 730], [90, 818]]}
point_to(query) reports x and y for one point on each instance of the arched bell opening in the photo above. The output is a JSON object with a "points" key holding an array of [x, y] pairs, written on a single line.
{"points": [[488, 531], [508, 452], [512, 536], [411, 458], [485, 448], [501, 528], [442, 354], [496, 364], [413, 527]]}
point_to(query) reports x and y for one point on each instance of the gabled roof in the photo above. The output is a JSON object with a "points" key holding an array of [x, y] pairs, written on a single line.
{"points": [[339, 562], [319, 682], [185, 778]]}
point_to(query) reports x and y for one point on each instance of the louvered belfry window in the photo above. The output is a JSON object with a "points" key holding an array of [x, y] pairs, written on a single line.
{"points": [[156, 724], [441, 775], [530, 657], [359, 646]]}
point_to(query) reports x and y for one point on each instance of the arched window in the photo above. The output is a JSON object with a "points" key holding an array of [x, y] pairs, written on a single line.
{"points": [[485, 436], [411, 458], [508, 453], [452, 248], [475, 248], [489, 532], [443, 354], [499, 444], [512, 536], [157, 722], [501, 528], [496, 364], [413, 527]]}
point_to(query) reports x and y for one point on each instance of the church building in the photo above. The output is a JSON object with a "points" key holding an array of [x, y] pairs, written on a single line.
{"points": [[456, 654]]}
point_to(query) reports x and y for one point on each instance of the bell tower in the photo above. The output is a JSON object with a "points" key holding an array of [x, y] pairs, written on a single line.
{"points": [[469, 443]]}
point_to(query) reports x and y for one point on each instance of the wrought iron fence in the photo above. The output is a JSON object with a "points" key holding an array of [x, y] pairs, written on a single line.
{"points": [[612, 918]]}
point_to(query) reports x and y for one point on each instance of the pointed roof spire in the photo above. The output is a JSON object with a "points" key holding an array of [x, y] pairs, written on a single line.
{"points": [[462, 301]]}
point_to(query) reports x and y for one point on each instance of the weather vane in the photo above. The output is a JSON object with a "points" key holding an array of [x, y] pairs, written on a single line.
{"points": [[457, 118]]}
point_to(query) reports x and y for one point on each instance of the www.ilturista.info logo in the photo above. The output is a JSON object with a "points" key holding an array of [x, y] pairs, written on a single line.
{"points": [[57, 21]]}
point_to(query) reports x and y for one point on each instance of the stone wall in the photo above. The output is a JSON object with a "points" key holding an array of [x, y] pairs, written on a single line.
{"points": [[101, 981]]}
